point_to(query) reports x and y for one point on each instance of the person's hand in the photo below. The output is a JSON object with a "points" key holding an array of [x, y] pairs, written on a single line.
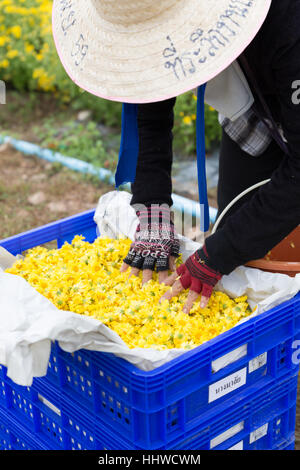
{"points": [[155, 244], [195, 274]]}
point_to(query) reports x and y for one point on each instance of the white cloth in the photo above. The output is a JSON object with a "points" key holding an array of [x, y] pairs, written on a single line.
{"points": [[229, 93]]}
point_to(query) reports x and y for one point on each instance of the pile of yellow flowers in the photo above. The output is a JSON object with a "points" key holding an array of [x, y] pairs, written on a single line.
{"points": [[85, 278]]}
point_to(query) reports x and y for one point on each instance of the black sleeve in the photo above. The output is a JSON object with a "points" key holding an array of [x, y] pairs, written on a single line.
{"points": [[274, 211], [153, 184]]}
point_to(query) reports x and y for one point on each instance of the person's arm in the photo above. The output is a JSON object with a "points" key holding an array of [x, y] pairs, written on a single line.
{"points": [[153, 184], [270, 215], [274, 211], [155, 244]]}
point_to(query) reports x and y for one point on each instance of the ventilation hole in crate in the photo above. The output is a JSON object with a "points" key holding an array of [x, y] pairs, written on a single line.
{"points": [[282, 355], [172, 418]]}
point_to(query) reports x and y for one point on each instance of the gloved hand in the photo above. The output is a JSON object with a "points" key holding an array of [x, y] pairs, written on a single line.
{"points": [[155, 244], [198, 276]]}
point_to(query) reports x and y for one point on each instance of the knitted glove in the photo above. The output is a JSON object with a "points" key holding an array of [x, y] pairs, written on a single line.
{"points": [[155, 240], [197, 275]]}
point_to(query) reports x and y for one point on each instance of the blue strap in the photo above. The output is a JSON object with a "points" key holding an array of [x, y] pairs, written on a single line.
{"points": [[129, 150], [201, 160], [129, 147]]}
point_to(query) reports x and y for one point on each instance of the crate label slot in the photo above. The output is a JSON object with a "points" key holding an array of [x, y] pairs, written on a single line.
{"points": [[259, 433], [238, 446], [227, 435], [229, 358], [258, 362], [49, 404], [227, 385]]}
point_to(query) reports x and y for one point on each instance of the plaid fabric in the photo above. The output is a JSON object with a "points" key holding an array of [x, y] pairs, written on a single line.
{"points": [[249, 132]]}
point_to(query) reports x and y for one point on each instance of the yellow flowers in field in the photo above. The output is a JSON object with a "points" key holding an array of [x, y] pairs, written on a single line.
{"points": [[85, 278], [26, 45]]}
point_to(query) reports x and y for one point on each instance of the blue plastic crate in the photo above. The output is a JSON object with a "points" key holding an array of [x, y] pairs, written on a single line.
{"points": [[261, 420], [14, 436], [155, 408]]}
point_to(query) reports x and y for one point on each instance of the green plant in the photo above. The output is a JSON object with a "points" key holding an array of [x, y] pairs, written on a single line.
{"points": [[185, 125], [82, 141]]}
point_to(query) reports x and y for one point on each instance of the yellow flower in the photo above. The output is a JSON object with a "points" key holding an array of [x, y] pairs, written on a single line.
{"points": [[187, 120], [85, 278], [3, 40], [4, 64], [16, 31], [12, 53]]}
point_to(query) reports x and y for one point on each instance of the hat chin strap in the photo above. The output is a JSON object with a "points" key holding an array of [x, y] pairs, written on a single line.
{"points": [[128, 12], [201, 160]]}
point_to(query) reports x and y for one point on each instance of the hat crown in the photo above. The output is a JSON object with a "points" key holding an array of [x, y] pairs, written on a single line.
{"points": [[129, 12]]}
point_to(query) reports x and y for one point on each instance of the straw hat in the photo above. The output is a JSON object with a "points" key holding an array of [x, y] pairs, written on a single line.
{"points": [[139, 51]]}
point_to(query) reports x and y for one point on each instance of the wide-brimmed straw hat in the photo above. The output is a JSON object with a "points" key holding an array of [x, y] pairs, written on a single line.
{"points": [[139, 51]]}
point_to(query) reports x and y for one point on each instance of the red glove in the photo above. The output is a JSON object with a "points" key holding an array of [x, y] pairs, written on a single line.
{"points": [[197, 275]]}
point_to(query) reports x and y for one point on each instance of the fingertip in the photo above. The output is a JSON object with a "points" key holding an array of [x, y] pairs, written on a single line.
{"points": [[134, 272], [169, 281], [124, 267], [162, 276], [147, 276], [172, 263], [204, 301]]}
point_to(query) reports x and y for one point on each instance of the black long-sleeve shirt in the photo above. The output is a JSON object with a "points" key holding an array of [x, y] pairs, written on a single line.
{"points": [[274, 210]]}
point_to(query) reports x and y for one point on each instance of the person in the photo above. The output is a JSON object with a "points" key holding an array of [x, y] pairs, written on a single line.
{"points": [[151, 54]]}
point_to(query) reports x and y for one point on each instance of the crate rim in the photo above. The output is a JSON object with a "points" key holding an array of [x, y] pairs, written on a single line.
{"points": [[188, 354]]}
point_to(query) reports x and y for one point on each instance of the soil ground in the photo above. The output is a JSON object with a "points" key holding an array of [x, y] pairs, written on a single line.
{"points": [[34, 192]]}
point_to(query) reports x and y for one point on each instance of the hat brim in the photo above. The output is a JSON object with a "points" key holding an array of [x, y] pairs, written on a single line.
{"points": [[159, 58]]}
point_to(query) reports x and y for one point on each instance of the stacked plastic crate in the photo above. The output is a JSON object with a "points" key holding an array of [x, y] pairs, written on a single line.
{"points": [[237, 391]]}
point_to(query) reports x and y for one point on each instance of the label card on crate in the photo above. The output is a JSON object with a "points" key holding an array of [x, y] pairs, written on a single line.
{"points": [[238, 446], [227, 435], [227, 385], [259, 433], [229, 358], [258, 362]]}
